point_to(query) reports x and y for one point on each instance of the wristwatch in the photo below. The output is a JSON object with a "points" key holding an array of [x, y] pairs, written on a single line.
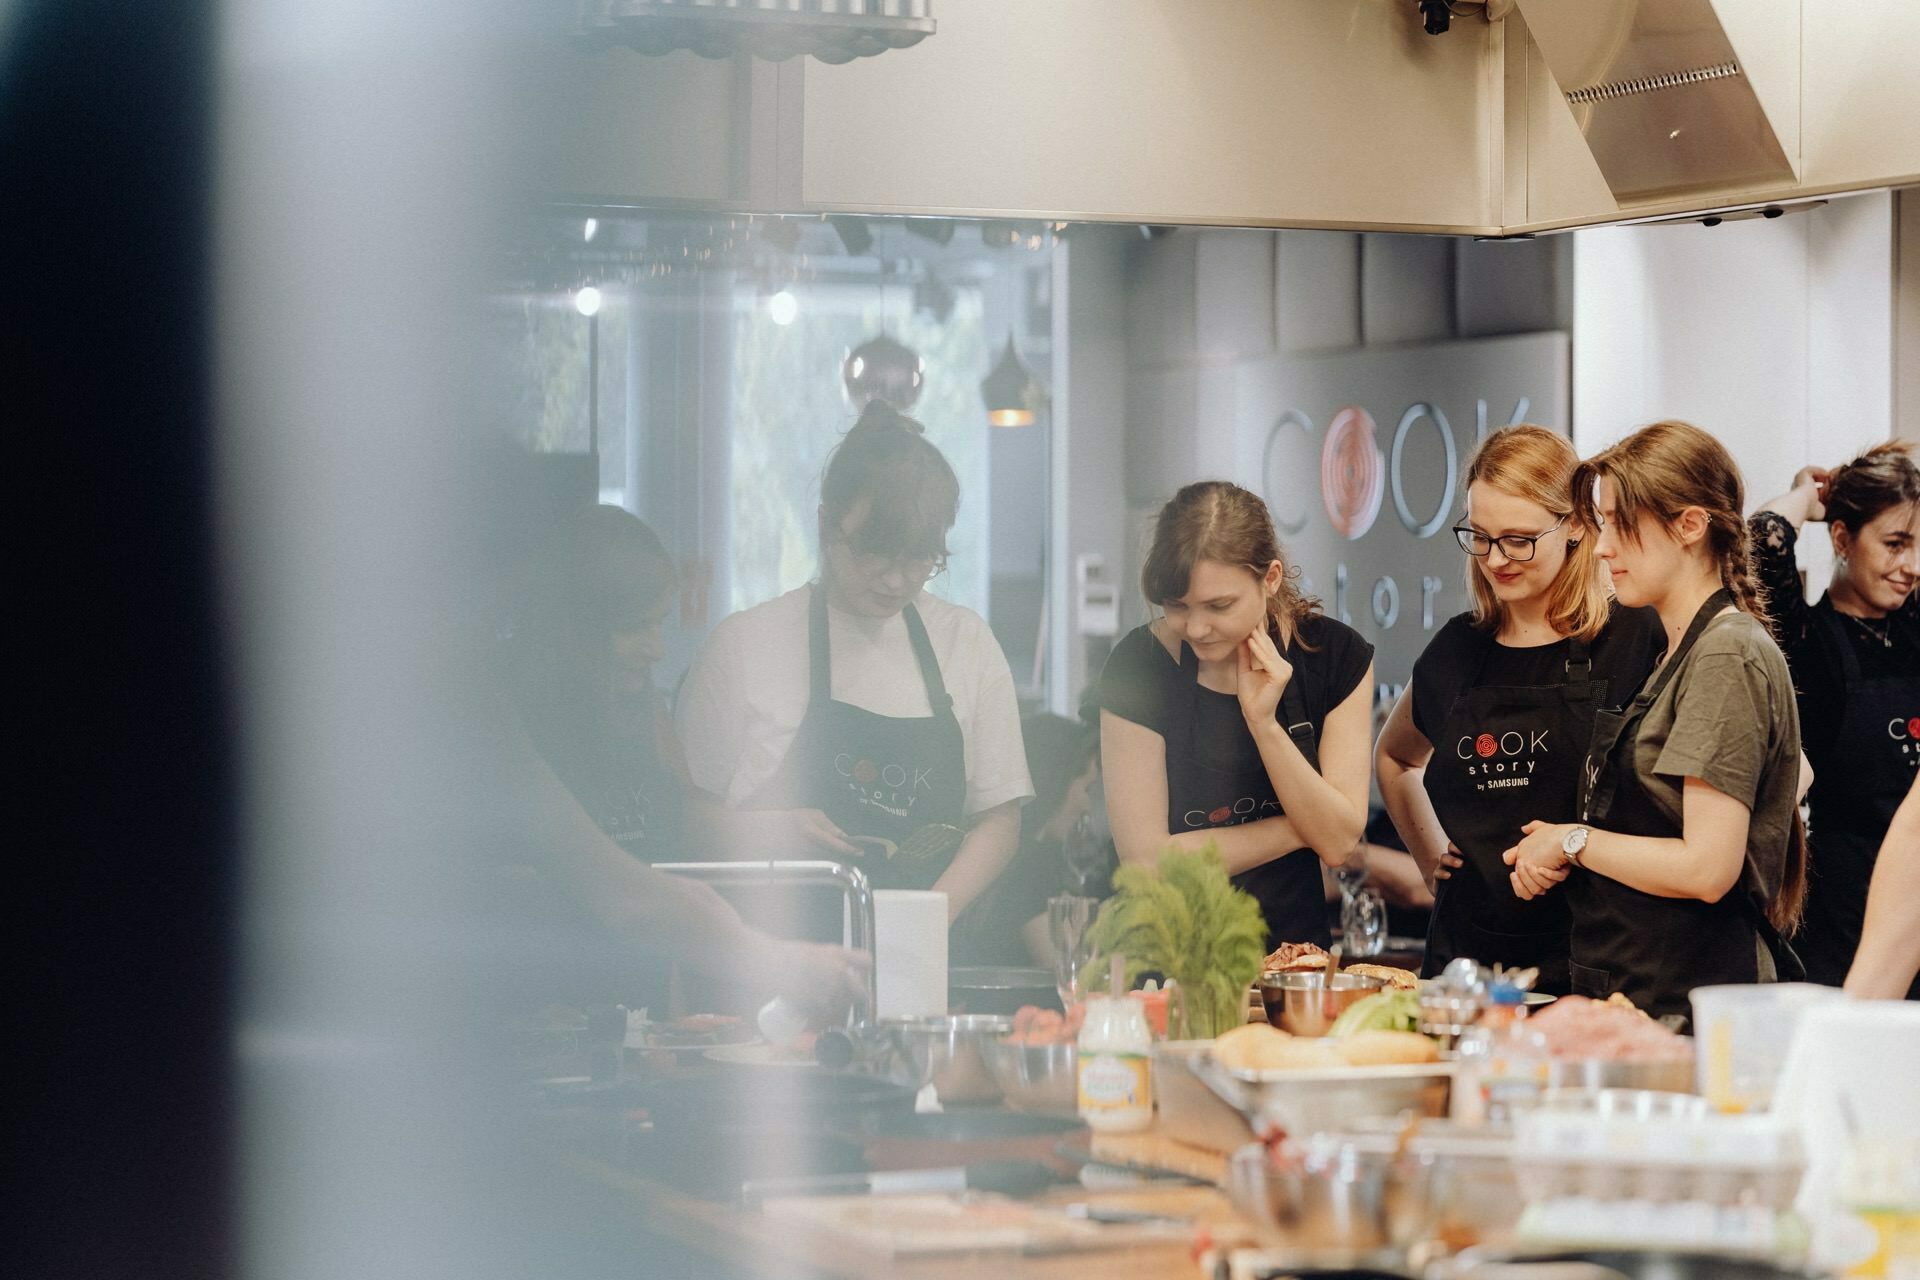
{"points": [[1572, 843]]}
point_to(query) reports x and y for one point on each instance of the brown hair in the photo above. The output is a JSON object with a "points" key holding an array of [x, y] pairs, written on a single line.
{"points": [[1661, 470], [1537, 464], [1884, 476], [1215, 520], [912, 492]]}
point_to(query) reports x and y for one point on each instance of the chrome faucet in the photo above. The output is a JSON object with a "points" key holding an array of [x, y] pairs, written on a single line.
{"points": [[855, 893]]}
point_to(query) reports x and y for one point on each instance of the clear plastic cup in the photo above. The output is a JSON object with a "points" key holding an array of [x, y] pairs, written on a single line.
{"points": [[1741, 1034]]}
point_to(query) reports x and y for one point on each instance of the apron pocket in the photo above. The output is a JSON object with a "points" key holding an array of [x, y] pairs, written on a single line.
{"points": [[1595, 984]]}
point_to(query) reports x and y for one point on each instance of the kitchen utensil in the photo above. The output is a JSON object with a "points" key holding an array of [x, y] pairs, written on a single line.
{"points": [[1741, 1035], [1614, 1264], [1303, 1102], [1381, 1187], [1037, 1078], [1303, 1004], [1190, 1112], [945, 1052], [1002, 989]]}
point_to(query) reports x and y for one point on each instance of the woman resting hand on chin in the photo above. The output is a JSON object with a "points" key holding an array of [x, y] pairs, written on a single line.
{"points": [[1690, 863], [1240, 718]]}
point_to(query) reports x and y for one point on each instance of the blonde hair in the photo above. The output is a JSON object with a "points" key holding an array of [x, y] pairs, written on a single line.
{"points": [[1215, 520], [1538, 465]]}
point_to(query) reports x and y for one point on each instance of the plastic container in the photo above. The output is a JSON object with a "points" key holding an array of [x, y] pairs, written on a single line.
{"points": [[1116, 1066], [1503, 1063], [1741, 1034]]}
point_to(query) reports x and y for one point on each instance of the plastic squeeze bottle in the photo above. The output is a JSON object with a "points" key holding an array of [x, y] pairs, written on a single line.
{"points": [[1115, 1061]]}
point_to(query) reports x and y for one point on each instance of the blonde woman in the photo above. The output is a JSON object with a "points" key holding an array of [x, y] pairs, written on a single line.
{"points": [[1493, 727]]}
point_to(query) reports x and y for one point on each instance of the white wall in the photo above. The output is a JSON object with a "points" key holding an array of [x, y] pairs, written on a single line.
{"points": [[1777, 336]]}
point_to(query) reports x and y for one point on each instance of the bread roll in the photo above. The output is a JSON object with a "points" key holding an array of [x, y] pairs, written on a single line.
{"points": [[1252, 1047], [1387, 1049], [1396, 979], [1308, 1055]]}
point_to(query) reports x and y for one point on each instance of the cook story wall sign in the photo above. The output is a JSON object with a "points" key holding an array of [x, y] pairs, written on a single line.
{"points": [[1360, 456]]}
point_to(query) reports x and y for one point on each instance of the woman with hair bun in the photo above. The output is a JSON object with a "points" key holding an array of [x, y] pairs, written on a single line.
{"points": [[860, 717], [1689, 862], [1855, 657], [1240, 718], [1493, 728]]}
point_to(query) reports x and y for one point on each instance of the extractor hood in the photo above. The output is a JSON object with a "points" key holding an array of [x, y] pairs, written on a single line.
{"points": [[1665, 99]]}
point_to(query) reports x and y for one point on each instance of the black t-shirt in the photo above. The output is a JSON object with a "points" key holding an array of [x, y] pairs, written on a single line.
{"points": [[1462, 656], [1141, 676], [1819, 676], [1215, 777]]}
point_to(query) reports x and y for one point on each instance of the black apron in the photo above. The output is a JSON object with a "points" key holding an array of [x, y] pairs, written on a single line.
{"points": [[1655, 950], [634, 797], [1507, 754], [873, 775], [1853, 798], [1215, 778]]}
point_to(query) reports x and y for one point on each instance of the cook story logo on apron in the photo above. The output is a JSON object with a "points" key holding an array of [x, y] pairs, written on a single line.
{"points": [[1905, 730], [891, 788], [1232, 814], [1503, 760]]}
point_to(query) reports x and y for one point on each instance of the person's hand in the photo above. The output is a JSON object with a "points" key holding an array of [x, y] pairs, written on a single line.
{"points": [[1262, 678], [823, 979], [1820, 480], [1539, 861], [812, 832], [1450, 862]]}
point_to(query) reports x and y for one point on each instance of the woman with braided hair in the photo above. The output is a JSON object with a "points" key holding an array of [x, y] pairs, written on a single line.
{"points": [[1688, 866], [1855, 658]]}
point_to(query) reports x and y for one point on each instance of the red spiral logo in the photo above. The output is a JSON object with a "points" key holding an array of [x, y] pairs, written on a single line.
{"points": [[866, 773], [1485, 745], [1352, 472], [1913, 727], [1220, 815]]}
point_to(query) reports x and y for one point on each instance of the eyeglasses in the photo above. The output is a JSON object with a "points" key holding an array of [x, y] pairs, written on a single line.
{"points": [[1517, 547], [871, 564]]}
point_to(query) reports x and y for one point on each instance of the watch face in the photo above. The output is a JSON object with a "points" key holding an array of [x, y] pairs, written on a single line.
{"points": [[1576, 840]]}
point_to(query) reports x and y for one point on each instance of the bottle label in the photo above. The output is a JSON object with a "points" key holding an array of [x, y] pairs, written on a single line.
{"points": [[1115, 1082]]}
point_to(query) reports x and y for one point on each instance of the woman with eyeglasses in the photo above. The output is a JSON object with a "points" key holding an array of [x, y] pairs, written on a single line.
{"points": [[1492, 729], [1240, 718], [861, 718], [1688, 864]]}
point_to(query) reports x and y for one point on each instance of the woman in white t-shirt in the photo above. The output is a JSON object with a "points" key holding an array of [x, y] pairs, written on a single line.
{"points": [[860, 718]]}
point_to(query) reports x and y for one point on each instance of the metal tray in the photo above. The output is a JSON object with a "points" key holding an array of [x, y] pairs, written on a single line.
{"points": [[1305, 1102]]}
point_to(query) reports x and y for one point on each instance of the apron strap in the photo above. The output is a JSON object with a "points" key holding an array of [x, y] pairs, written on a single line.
{"points": [[1293, 717], [1579, 661], [819, 656], [1842, 642], [1708, 612], [937, 696]]}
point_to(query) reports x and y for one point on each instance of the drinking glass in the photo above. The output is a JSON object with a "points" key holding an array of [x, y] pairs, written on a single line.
{"points": [[1363, 923], [1085, 854], [1069, 917]]}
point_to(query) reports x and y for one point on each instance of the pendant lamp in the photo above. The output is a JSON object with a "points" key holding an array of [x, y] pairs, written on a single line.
{"points": [[1013, 395], [882, 369]]}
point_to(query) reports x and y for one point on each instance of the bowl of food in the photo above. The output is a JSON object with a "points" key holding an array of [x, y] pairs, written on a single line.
{"points": [[1306, 1003], [946, 1052], [1037, 1078]]}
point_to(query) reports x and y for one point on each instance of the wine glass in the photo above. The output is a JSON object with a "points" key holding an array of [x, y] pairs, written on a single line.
{"points": [[1363, 922], [1069, 919], [1085, 854]]}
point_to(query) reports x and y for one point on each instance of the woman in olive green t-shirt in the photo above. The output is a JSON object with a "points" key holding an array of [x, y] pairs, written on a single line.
{"points": [[1695, 863]]}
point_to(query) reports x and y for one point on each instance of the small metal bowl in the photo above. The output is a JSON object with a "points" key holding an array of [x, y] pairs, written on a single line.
{"points": [[1303, 1004], [1037, 1078], [945, 1052]]}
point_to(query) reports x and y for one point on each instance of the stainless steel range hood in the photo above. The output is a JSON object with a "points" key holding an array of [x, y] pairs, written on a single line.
{"points": [[1663, 96]]}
